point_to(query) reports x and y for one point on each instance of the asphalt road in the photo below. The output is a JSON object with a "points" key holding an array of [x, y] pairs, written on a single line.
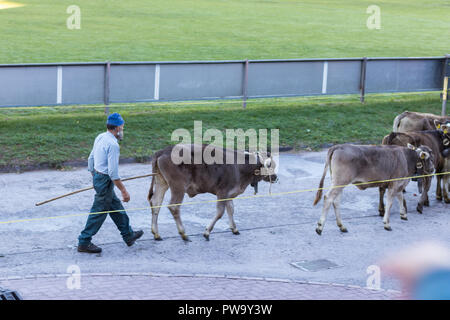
{"points": [[275, 230]]}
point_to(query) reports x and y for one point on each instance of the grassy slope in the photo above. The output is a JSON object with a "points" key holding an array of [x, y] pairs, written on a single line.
{"points": [[212, 29], [39, 135], [220, 29]]}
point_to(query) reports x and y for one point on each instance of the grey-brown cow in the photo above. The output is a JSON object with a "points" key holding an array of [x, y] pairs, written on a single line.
{"points": [[358, 164], [444, 128], [226, 180], [416, 121], [432, 139]]}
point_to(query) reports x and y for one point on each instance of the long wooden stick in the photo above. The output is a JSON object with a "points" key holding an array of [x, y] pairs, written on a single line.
{"points": [[85, 189]]}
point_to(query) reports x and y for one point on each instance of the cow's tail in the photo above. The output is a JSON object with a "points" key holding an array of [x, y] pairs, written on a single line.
{"points": [[327, 164], [397, 121], [154, 170]]}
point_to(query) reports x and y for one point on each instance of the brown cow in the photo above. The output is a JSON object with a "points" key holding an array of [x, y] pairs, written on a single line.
{"points": [[225, 180], [444, 128], [357, 164], [416, 121], [432, 139]]}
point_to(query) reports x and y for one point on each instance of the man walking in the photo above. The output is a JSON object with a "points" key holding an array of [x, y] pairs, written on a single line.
{"points": [[103, 163]]}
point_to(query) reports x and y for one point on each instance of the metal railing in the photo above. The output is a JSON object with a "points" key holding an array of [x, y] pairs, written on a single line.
{"points": [[130, 82]]}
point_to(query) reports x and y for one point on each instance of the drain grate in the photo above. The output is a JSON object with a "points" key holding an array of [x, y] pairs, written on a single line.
{"points": [[314, 265]]}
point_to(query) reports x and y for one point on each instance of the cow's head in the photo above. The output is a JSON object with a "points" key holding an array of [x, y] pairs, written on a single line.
{"points": [[425, 159], [267, 167], [444, 127]]}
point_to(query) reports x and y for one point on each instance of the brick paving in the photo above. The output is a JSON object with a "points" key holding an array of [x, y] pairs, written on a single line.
{"points": [[184, 287]]}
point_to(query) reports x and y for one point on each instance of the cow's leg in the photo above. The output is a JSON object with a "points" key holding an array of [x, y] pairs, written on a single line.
{"points": [[156, 200], [177, 198], [337, 211], [401, 202], [426, 189], [230, 211], [220, 211], [438, 188], [390, 197], [446, 181], [404, 202], [423, 201], [328, 199], [382, 191]]}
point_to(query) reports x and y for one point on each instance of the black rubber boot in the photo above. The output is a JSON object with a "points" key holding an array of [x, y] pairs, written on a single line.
{"points": [[136, 235], [90, 248]]}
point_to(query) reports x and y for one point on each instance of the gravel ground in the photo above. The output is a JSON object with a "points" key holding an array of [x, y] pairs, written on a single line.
{"points": [[275, 231]]}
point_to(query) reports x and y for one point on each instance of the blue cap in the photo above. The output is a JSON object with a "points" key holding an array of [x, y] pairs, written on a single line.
{"points": [[115, 119]]}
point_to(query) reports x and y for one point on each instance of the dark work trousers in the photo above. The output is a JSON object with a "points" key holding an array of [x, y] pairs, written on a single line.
{"points": [[105, 200]]}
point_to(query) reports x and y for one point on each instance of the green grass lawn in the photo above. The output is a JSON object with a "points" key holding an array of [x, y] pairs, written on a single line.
{"points": [[57, 134], [157, 30]]}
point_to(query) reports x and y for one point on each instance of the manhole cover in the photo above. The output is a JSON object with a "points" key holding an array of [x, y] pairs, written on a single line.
{"points": [[314, 265]]}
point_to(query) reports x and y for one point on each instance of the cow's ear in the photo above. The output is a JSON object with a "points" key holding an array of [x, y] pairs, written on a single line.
{"points": [[410, 146], [437, 124]]}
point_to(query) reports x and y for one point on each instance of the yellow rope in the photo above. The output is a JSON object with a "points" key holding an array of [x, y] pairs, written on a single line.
{"points": [[226, 199]]}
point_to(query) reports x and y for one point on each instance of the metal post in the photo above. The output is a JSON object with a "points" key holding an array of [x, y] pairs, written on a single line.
{"points": [[444, 97], [362, 80], [245, 84], [106, 89], [445, 74]]}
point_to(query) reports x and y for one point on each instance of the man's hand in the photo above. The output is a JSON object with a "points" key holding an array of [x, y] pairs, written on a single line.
{"points": [[126, 196]]}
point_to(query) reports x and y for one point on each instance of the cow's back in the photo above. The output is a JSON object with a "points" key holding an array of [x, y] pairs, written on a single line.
{"points": [[429, 138], [371, 163], [196, 178], [416, 121]]}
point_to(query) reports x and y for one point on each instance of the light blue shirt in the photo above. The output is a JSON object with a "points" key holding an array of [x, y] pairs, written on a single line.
{"points": [[105, 155]]}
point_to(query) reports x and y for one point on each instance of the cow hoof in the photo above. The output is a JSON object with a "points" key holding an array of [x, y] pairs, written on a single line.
{"points": [[236, 232], [388, 228], [419, 209], [319, 232], [343, 229], [447, 200], [158, 238], [404, 218], [439, 198], [206, 236], [381, 213], [185, 238]]}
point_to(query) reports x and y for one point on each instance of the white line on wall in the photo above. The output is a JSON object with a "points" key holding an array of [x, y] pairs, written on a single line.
{"points": [[157, 73], [59, 85], [325, 77]]}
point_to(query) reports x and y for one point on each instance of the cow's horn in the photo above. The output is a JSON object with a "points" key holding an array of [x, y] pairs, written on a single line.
{"points": [[267, 163]]}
